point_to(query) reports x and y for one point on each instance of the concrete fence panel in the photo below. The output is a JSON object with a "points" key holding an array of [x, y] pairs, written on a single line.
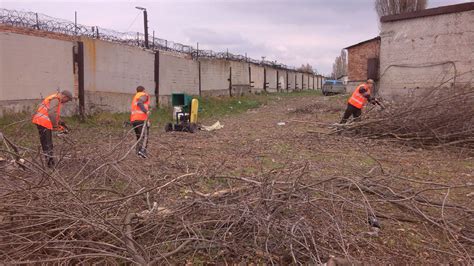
{"points": [[271, 78], [240, 78], [30, 70], [257, 78], [305, 81], [291, 81], [311, 82], [299, 81], [281, 80], [215, 76], [178, 74], [112, 72]]}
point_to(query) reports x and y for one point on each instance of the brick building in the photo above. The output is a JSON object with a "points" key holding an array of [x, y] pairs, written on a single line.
{"points": [[363, 62], [427, 49]]}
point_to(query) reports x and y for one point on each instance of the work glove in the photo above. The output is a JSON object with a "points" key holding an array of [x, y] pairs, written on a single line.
{"points": [[63, 125], [62, 128]]}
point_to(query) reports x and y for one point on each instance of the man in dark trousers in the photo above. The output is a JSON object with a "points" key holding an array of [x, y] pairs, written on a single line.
{"points": [[358, 99], [139, 118], [47, 119]]}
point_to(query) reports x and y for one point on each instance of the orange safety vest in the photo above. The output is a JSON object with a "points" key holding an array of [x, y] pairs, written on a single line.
{"points": [[137, 113], [357, 99], [41, 116]]}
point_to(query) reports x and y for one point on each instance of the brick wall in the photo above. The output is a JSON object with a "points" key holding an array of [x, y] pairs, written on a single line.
{"points": [[357, 59]]}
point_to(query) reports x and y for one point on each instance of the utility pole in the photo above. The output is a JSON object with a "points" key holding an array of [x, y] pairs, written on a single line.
{"points": [[145, 24], [75, 22]]}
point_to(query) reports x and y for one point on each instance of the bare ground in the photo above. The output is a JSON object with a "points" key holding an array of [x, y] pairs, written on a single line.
{"points": [[253, 147]]}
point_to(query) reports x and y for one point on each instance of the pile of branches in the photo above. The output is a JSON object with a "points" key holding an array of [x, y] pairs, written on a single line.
{"points": [[100, 206], [438, 118], [272, 218]]}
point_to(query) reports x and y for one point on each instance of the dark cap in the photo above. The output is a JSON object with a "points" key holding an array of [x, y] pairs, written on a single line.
{"points": [[67, 94]]}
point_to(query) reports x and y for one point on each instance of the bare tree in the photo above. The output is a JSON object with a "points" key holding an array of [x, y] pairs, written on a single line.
{"points": [[392, 7], [339, 67], [306, 68]]}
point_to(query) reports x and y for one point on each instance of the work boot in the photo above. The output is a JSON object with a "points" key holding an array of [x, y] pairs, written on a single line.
{"points": [[50, 162], [142, 153]]}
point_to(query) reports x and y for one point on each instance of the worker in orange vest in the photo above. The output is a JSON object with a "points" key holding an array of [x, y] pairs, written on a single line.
{"points": [[359, 98], [47, 119], [139, 118]]}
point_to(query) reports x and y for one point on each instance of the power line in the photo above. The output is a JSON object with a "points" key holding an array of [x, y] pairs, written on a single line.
{"points": [[135, 19]]}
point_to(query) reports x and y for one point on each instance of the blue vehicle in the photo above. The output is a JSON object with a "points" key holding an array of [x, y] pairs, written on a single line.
{"points": [[332, 86]]}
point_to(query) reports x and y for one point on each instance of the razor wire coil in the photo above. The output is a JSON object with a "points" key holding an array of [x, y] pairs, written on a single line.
{"points": [[38, 21]]}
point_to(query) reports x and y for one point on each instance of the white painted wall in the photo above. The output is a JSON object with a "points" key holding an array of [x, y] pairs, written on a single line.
{"points": [[299, 80], [34, 67], [271, 74], [116, 68], [291, 81], [112, 73], [178, 74], [240, 73], [257, 77], [426, 52], [282, 79], [214, 76]]}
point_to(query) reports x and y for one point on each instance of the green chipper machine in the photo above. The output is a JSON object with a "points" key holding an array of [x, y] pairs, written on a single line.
{"points": [[185, 113]]}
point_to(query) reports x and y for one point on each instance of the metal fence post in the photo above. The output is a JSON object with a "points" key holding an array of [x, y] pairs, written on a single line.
{"points": [[37, 22]]}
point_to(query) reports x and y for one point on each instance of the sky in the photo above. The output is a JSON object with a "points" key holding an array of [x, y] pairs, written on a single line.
{"points": [[291, 32]]}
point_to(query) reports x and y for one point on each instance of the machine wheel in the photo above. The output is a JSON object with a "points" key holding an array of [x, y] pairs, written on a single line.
{"points": [[192, 128], [169, 127]]}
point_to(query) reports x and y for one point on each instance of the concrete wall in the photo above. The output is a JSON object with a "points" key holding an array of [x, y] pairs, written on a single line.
{"points": [[271, 76], [214, 77], [319, 82], [291, 81], [426, 52], [240, 78], [311, 82], [306, 81], [299, 80], [178, 74], [282, 80], [112, 72], [30, 70], [34, 65], [257, 78]]}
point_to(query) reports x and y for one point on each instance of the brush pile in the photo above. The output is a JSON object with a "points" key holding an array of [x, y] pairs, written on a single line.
{"points": [[196, 202], [93, 211], [439, 118]]}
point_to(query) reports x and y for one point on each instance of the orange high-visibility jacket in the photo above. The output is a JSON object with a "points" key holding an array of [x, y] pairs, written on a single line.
{"points": [[137, 114], [357, 99], [41, 116]]}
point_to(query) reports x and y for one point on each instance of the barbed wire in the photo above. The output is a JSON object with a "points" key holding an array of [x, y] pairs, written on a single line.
{"points": [[38, 21]]}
